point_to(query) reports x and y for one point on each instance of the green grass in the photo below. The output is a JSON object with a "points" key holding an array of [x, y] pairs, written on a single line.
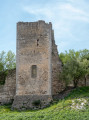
{"points": [[60, 110]]}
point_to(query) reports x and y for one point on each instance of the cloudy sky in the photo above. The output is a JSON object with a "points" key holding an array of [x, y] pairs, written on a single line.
{"points": [[70, 19]]}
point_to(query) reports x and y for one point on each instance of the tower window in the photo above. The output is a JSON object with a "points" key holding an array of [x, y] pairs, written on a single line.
{"points": [[34, 71]]}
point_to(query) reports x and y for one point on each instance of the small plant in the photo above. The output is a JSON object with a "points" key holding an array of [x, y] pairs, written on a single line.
{"points": [[36, 103], [79, 103], [3, 77]]}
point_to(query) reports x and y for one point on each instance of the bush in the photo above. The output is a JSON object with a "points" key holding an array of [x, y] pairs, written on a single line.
{"points": [[36, 103], [3, 77]]}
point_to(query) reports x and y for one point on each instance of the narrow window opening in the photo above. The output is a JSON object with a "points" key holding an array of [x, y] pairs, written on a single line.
{"points": [[34, 71], [37, 42]]}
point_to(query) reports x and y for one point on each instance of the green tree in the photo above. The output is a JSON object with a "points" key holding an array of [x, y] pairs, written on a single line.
{"points": [[7, 61], [75, 66], [67, 56], [2, 61], [84, 54], [10, 60], [85, 62], [72, 71]]}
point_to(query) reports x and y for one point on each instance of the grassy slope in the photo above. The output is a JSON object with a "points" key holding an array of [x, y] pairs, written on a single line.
{"points": [[58, 111]]}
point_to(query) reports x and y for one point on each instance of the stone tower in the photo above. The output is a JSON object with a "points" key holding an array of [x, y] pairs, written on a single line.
{"points": [[37, 64]]}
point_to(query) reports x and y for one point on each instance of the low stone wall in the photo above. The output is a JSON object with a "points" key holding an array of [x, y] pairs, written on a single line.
{"points": [[87, 81], [83, 82], [7, 91], [31, 102]]}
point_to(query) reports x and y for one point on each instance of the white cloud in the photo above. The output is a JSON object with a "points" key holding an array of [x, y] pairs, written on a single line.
{"points": [[39, 11], [70, 8], [62, 15], [66, 10], [72, 13]]}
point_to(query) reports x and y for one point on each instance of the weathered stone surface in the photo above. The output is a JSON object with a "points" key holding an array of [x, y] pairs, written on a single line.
{"points": [[57, 84], [7, 91], [38, 64], [30, 102], [33, 48]]}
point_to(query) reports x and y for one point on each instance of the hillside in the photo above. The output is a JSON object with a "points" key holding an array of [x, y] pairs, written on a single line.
{"points": [[74, 107]]}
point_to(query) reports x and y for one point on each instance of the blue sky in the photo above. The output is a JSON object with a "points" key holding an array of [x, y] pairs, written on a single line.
{"points": [[70, 19]]}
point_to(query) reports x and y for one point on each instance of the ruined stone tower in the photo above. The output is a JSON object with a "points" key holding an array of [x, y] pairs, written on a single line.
{"points": [[37, 65]]}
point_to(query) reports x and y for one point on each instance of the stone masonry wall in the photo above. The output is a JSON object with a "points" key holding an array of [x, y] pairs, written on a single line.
{"points": [[57, 84], [82, 82], [23, 102], [7, 91], [33, 64], [33, 48]]}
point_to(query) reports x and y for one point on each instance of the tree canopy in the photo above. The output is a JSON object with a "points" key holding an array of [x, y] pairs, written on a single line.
{"points": [[7, 61], [75, 66]]}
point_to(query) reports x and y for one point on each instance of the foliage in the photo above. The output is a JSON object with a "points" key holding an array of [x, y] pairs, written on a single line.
{"points": [[10, 60], [75, 66], [2, 61], [7, 62], [36, 103], [58, 111], [3, 77], [72, 71]]}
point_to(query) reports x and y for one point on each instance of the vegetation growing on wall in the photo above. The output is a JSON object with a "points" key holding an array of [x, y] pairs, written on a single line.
{"points": [[75, 66], [3, 77], [7, 62]]}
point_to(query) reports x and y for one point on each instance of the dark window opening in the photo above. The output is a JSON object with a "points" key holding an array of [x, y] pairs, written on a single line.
{"points": [[37, 42], [34, 71]]}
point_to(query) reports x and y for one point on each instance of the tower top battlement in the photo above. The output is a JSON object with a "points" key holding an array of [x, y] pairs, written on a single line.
{"points": [[39, 21]]}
